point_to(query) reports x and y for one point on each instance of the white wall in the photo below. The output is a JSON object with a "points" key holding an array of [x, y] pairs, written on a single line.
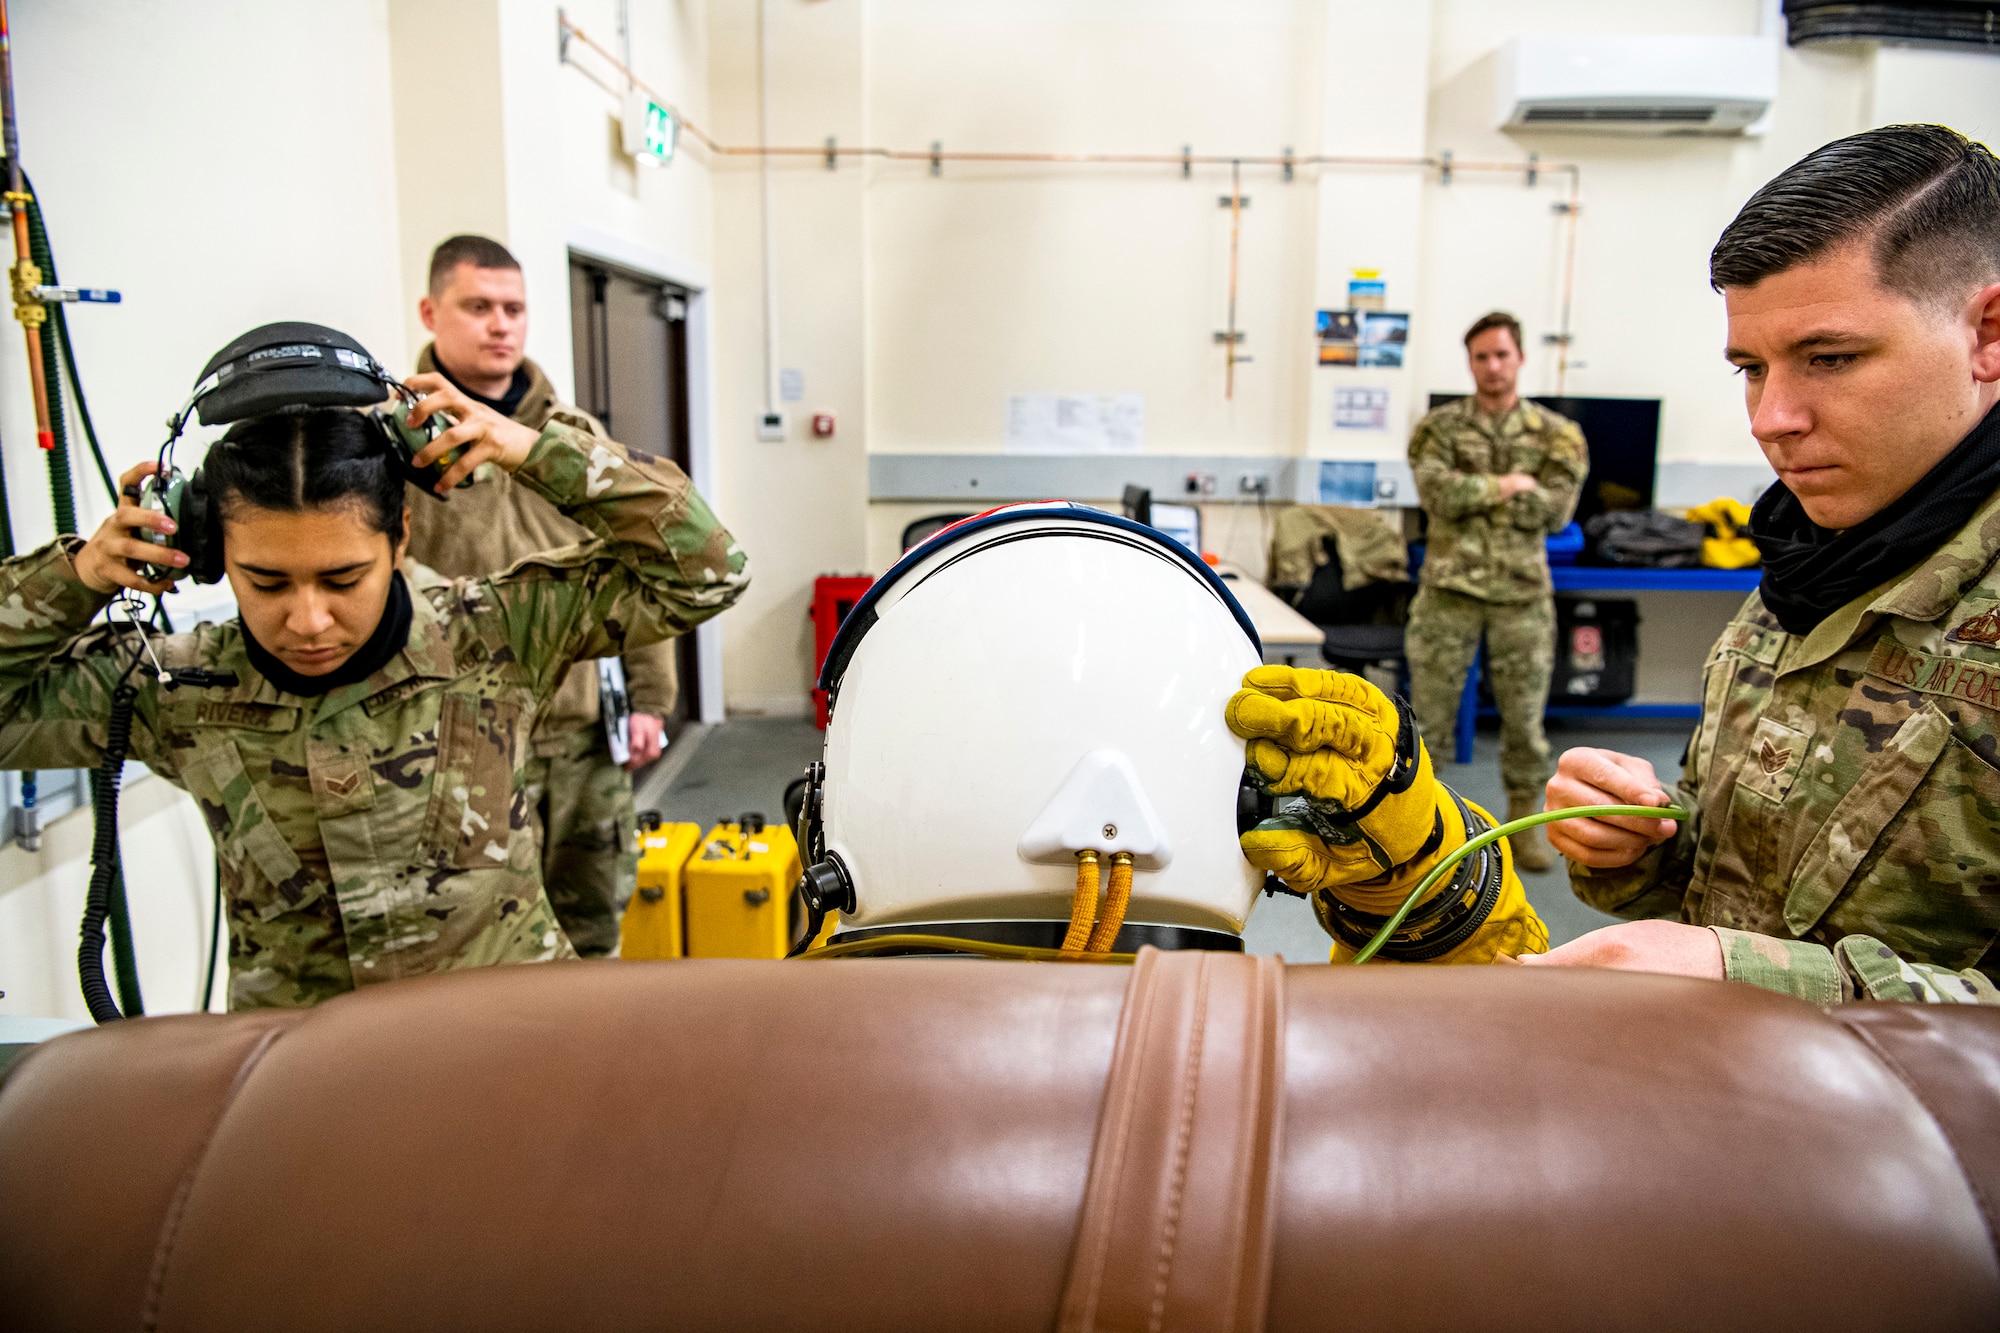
{"points": [[223, 165], [799, 507]]}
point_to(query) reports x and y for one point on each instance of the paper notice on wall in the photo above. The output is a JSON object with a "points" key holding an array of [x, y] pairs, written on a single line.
{"points": [[1360, 409], [1076, 423]]}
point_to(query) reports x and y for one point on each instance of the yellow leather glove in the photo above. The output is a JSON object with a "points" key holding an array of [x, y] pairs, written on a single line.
{"points": [[1376, 820], [1346, 747]]}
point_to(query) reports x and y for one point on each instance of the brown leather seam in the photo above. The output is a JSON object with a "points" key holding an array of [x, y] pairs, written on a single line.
{"points": [[1183, 1136], [1121, 1095], [1259, 1145], [149, 1317], [1903, 1075]]}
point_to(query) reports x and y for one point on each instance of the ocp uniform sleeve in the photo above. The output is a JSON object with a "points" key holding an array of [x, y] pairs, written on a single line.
{"points": [[653, 678], [1655, 885], [57, 674], [1443, 490], [1857, 967], [1559, 480], [659, 562]]}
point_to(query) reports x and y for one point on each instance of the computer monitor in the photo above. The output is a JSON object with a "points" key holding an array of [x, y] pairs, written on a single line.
{"points": [[1623, 438], [1181, 522]]}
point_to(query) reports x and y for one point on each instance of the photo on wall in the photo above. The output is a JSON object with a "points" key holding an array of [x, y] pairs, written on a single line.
{"points": [[1383, 336], [1339, 337]]}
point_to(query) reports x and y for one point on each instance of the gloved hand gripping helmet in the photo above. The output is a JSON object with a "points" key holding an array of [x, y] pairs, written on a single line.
{"points": [[1033, 683]]}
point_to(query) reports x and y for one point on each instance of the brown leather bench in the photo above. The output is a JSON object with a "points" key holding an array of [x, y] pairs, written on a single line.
{"points": [[1206, 1141]]}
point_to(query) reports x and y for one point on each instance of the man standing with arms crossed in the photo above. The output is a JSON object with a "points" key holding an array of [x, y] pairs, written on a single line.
{"points": [[477, 314], [1844, 781], [1496, 475]]}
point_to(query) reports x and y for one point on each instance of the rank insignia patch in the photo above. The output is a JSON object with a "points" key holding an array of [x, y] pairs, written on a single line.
{"points": [[1983, 628]]}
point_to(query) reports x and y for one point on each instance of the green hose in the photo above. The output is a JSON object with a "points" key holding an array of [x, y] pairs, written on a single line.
{"points": [[1492, 835], [6, 519]]}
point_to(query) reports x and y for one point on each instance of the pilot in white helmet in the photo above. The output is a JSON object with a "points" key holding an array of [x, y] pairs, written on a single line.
{"points": [[1051, 734]]}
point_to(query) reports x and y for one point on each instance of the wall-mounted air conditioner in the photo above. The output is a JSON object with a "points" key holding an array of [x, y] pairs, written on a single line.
{"points": [[1636, 85]]}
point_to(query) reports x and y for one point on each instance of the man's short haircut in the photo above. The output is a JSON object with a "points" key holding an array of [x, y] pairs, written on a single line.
{"points": [[478, 251], [1495, 319], [1927, 198]]}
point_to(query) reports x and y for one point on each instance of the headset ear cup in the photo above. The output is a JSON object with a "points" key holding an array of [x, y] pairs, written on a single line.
{"points": [[200, 532], [393, 442]]}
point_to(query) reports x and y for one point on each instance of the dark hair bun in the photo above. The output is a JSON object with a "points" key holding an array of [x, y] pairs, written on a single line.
{"points": [[317, 458]]}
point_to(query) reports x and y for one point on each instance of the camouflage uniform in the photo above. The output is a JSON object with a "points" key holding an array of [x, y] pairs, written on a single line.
{"points": [[1845, 786], [1486, 570], [590, 849], [381, 830]]}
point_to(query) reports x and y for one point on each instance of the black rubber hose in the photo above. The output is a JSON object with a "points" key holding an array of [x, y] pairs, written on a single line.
{"points": [[215, 944], [124, 961], [61, 321], [104, 860], [6, 519]]}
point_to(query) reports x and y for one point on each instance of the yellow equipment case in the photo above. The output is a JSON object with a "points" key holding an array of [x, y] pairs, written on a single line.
{"points": [[652, 924], [738, 890]]}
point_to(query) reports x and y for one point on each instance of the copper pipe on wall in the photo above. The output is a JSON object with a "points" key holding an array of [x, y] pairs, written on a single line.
{"points": [[830, 152], [27, 276], [1230, 335], [1573, 207], [821, 152]]}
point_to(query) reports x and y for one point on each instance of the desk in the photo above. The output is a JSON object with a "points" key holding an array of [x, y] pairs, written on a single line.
{"points": [[1285, 633], [1605, 578]]}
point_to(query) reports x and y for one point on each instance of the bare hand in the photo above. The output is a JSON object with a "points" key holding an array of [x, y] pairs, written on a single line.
{"points": [[1605, 777], [1517, 483], [1641, 946], [488, 436], [102, 563], [645, 738]]}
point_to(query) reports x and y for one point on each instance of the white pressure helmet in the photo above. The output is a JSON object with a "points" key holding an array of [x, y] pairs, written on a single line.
{"points": [[1036, 681]]}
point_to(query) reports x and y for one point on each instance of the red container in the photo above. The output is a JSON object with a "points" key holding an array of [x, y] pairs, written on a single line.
{"points": [[834, 595]]}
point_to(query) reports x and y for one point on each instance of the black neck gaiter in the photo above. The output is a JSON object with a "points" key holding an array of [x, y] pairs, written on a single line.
{"points": [[506, 403], [1810, 572], [391, 635]]}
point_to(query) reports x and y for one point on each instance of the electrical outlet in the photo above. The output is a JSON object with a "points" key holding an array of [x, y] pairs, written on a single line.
{"points": [[771, 427], [1201, 483], [1254, 483]]}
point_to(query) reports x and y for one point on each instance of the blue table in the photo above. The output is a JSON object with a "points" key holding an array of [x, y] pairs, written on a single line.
{"points": [[1603, 578]]}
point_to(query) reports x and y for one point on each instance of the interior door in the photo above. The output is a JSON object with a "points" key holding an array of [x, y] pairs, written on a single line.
{"points": [[630, 336]]}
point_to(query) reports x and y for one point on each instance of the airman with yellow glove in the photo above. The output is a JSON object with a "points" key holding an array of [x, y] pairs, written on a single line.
{"points": [[1375, 819]]}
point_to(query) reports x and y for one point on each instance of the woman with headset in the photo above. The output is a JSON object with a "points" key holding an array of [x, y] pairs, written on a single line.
{"points": [[352, 740]]}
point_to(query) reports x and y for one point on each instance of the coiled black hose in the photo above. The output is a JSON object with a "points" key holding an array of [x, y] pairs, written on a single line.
{"points": [[217, 939], [105, 871]]}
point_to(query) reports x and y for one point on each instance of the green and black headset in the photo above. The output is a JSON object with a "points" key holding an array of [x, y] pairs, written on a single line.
{"points": [[277, 368]]}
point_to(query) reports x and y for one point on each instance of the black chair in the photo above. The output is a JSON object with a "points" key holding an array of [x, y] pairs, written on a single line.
{"points": [[924, 529], [1363, 626]]}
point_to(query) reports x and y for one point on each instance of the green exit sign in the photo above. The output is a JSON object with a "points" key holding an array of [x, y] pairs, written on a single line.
{"points": [[650, 129]]}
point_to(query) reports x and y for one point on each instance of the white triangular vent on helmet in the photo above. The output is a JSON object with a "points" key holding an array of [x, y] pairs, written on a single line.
{"points": [[1100, 806]]}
